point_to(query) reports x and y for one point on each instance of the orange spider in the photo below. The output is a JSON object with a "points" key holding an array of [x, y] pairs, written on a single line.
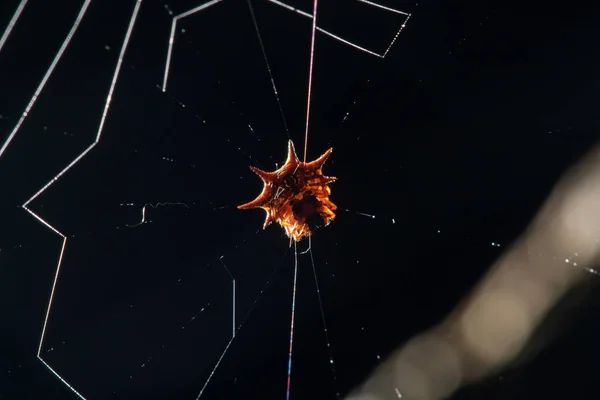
{"points": [[296, 196]]}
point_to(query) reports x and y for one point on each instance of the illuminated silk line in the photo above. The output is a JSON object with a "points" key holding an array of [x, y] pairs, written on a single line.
{"points": [[238, 327], [331, 362], [233, 294], [203, 7], [347, 42], [310, 73], [289, 377], [12, 23], [172, 35], [383, 7], [69, 166], [264, 53], [233, 332], [312, 52], [46, 76]]}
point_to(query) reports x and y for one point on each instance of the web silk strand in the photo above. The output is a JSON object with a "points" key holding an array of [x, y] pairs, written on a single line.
{"points": [[310, 73], [289, 376]]}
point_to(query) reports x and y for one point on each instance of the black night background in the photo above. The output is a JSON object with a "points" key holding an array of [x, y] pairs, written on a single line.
{"points": [[443, 149]]}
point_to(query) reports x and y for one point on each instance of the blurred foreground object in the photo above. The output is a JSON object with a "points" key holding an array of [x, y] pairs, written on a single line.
{"points": [[494, 322]]}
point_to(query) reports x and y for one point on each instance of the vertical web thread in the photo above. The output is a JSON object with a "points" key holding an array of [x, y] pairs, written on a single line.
{"points": [[310, 73], [289, 377]]}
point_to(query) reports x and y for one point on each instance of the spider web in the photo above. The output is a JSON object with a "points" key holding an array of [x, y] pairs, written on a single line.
{"points": [[145, 263]]}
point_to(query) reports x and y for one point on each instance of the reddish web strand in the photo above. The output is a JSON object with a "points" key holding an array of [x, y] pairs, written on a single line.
{"points": [[310, 72], [312, 53]]}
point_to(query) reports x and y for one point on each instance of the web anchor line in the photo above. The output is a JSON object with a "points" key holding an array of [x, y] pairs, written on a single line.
{"points": [[25, 205], [264, 53], [331, 362], [12, 23], [244, 320]]}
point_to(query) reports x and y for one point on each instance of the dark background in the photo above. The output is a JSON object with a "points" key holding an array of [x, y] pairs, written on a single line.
{"points": [[452, 141]]}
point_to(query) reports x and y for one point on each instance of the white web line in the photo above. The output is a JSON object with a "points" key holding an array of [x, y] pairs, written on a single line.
{"points": [[384, 7], [241, 324], [233, 332], [203, 7], [172, 36], [75, 161], [98, 136], [12, 23], [46, 76], [70, 165], [233, 282], [264, 53], [323, 320], [339, 38], [282, 4]]}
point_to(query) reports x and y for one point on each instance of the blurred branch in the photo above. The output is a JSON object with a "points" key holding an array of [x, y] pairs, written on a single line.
{"points": [[491, 325]]}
